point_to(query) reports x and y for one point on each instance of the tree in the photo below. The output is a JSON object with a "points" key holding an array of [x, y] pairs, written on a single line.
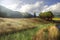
{"points": [[46, 15], [35, 14]]}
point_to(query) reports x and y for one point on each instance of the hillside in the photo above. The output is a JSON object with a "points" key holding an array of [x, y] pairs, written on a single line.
{"points": [[5, 12]]}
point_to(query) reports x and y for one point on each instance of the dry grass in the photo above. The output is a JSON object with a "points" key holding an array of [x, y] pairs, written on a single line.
{"points": [[9, 24], [53, 33], [49, 33], [15, 24], [56, 18]]}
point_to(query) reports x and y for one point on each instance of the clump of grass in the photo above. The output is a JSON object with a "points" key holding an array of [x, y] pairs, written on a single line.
{"points": [[40, 35], [53, 33], [48, 33], [1, 20]]}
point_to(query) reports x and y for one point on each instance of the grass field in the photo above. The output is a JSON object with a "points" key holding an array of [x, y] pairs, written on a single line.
{"points": [[25, 29], [7, 25], [56, 18]]}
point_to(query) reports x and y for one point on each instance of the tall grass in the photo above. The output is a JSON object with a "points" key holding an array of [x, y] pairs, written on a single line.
{"points": [[23, 34], [42, 29], [48, 33]]}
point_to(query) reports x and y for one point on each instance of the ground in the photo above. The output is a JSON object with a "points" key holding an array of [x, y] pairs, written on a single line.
{"points": [[21, 29]]}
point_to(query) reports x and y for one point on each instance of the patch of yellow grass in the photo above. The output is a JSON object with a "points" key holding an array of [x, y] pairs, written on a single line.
{"points": [[49, 33], [56, 18], [53, 33]]}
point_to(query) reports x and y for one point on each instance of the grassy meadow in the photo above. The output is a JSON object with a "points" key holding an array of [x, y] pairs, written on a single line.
{"points": [[27, 29], [56, 18]]}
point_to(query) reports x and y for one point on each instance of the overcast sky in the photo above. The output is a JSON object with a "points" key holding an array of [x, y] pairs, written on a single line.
{"points": [[32, 5]]}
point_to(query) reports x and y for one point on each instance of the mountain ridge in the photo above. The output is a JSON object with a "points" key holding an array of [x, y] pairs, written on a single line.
{"points": [[5, 12]]}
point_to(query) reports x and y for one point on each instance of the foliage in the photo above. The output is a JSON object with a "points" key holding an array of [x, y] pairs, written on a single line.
{"points": [[23, 34], [48, 33], [34, 14], [47, 15]]}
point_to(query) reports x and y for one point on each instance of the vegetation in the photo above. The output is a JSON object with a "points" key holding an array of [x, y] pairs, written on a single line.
{"points": [[46, 15], [56, 18], [23, 34], [48, 33], [35, 14], [8, 25], [28, 28]]}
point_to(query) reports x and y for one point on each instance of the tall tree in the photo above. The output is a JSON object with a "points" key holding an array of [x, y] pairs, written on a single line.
{"points": [[34, 14]]}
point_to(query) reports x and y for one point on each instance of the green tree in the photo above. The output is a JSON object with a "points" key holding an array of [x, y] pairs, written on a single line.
{"points": [[35, 14], [46, 15]]}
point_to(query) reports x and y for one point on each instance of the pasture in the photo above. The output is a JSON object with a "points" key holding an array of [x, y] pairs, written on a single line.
{"points": [[22, 29]]}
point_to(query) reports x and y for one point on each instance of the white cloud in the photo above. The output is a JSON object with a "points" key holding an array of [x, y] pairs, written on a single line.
{"points": [[54, 8], [12, 7], [10, 4], [30, 7], [25, 8], [18, 5], [37, 4]]}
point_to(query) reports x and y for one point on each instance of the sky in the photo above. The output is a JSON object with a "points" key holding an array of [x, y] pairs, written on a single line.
{"points": [[32, 5]]}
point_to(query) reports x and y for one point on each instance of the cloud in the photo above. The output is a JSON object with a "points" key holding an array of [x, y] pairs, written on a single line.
{"points": [[55, 8], [38, 6], [30, 7], [10, 4], [19, 5]]}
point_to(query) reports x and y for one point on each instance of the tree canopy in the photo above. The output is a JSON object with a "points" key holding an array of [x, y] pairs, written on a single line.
{"points": [[47, 15]]}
